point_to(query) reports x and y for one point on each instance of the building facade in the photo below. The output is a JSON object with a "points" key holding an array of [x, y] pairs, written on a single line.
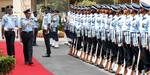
{"points": [[19, 6], [3, 4]]}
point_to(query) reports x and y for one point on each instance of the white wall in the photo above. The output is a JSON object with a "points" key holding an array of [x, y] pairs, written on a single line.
{"points": [[20, 6]]}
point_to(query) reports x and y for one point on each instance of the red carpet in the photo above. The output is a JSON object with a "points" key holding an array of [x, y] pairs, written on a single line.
{"points": [[20, 68]]}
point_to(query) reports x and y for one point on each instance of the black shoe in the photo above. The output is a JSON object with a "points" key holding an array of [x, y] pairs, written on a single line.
{"points": [[30, 63], [100, 66], [47, 55], [118, 74]]}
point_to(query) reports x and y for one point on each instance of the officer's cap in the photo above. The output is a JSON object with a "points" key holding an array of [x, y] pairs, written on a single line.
{"points": [[106, 7], [135, 6], [122, 6], [145, 5], [128, 6], [85, 8], [93, 7], [27, 11], [114, 8], [97, 6], [103, 7]]}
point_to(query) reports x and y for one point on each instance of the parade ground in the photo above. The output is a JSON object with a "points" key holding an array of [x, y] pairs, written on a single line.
{"points": [[75, 37], [60, 63]]}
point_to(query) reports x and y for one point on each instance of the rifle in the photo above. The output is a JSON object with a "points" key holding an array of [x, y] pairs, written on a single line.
{"points": [[95, 55], [82, 44]]}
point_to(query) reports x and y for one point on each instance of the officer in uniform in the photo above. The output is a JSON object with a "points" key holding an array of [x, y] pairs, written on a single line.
{"points": [[9, 24], [134, 31], [85, 28], [36, 26], [83, 21], [71, 19], [104, 38], [65, 24], [144, 26], [46, 32], [82, 31], [113, 25], [26, 33], [89, 40], [78, 24], [54, 28], [72, 30], [119, 42], [108, 40], [68, 32], [93, 33], [147, 52], [126, 38], [98, 34]]}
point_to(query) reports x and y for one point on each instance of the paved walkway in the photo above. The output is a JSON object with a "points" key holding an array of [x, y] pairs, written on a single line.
{"points": [[62, 64]]}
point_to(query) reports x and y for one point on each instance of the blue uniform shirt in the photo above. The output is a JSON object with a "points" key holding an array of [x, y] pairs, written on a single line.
{"points": [[36, 24], [27, 24], [10, 22], [55, 20], [46, 21]]}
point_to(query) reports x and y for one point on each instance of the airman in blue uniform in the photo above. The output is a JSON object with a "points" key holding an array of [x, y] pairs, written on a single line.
{"points": [[46, 32], [10, 23], [36, 26], [26, 33]]}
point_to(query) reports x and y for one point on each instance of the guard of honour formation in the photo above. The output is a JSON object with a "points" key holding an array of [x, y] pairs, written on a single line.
{"points": [[112, 37]]}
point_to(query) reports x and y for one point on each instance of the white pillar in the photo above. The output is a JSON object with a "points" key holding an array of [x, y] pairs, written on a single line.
{"points": [[20, 6]]}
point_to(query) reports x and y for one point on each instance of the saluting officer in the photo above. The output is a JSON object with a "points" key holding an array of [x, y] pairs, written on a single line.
{"points": [[46, 32], [26, 33], [9, 24]]}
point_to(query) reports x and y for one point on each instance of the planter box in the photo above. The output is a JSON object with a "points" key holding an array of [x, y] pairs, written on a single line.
{"points": [[60, 34]]}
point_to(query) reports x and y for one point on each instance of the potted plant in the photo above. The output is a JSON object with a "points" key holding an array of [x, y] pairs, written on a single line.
{"points": [[7, 64]]}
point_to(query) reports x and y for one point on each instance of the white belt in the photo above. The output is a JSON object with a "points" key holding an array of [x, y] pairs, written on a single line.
{"points": [[9, 29]]}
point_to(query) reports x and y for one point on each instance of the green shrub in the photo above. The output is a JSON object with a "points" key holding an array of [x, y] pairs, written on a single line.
{"points": [[7, 64], [60, 27]]}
